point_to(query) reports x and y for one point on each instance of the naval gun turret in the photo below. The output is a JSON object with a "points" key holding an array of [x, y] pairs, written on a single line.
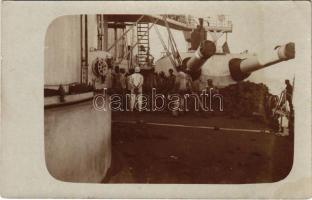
{"points": [[225, 69], [242, 68], [206, 60], [205, 50]]}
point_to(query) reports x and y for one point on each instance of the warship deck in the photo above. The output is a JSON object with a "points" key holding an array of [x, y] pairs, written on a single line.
{"points": [[158, 148]]}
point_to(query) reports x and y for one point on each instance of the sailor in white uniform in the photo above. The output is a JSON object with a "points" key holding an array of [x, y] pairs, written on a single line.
{"points": [[136, 82]]}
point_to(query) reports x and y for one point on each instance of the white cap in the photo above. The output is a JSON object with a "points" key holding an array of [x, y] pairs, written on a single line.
{"points": [[109, 56], [137, 69]]}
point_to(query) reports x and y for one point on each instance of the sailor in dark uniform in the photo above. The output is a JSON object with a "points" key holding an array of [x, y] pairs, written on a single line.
{"points": [[289, 92]]}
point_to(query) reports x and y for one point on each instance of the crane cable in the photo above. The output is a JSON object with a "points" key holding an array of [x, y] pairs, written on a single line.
{"points": [[165, 47], [173, 44]]}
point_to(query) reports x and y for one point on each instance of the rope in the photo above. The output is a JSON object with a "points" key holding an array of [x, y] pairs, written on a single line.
{"points": [[115, 43], [165, 47], [173, 43]]}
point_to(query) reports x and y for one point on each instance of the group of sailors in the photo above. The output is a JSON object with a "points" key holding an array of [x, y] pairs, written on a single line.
{"points": [[136, 82]]}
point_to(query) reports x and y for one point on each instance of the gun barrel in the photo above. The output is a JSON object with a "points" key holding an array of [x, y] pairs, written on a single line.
{"points": [[280, 53], [205, 50], [241, 68]]}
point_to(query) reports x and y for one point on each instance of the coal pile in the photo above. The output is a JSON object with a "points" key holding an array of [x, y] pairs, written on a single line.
{"points": [[245, 99]]}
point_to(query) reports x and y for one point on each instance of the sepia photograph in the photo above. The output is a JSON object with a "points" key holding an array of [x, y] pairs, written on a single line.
{"points": [[137, 98]]}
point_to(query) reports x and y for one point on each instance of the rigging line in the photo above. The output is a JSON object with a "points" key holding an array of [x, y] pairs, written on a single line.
{"points": [[173, 44], [115, 43], [165, 47]]}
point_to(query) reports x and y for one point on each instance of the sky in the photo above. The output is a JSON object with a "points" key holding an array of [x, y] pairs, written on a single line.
{"points": [[258, 27]]}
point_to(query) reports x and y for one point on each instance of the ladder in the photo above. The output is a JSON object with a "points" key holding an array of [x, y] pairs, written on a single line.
{"points": [[143, 43], [139, 39]]}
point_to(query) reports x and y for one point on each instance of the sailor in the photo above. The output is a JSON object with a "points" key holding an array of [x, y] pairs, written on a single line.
{"points": [[211, 90], [117, 86], [150, 81], [289, 92], [149, 59], [136, 82], [109, 80], [162, 82], [210, 86], [182, 86], [128, 75], [123, 81], [170, 81]]}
